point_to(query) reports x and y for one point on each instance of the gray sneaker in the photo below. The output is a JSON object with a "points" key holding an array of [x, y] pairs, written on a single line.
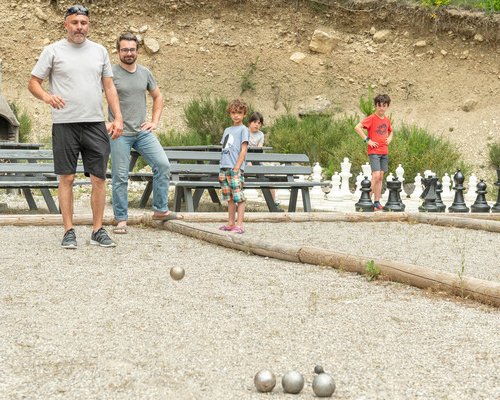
{"points": [[69, 239], [101, 238]]}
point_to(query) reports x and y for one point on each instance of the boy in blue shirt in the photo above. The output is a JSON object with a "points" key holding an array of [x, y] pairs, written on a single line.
{"points": [[232, 164]]}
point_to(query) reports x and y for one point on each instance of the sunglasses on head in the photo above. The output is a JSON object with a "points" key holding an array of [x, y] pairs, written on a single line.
{"points": [[78, 10]]}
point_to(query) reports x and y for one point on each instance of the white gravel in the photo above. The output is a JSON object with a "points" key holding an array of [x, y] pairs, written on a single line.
{"points": [[97, 323]]}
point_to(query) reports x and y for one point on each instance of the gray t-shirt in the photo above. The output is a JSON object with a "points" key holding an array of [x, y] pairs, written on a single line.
{"points": [[256, 138], [231, 142], [131, 87], [75, 73]]}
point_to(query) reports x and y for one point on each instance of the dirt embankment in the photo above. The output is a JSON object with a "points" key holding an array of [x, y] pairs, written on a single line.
{"points": [[429, 65]]}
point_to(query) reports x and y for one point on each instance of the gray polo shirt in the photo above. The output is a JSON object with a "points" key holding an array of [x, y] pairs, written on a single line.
{"points": [[75, 73], [132, 87]]}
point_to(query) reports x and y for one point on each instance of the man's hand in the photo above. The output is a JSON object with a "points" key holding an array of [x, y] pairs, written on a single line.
{"points": [[149, 126], [115, 128], [54, 101]]}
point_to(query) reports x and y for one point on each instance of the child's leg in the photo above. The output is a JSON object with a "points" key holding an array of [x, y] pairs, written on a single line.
{"points": [[377, 179], [231, 211], [241, 214]]}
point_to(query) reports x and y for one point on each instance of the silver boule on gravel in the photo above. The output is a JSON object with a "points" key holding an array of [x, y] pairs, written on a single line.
{"points": [[264, 381], [318, 369], [323, 385], [177, 273], [292, 382]]}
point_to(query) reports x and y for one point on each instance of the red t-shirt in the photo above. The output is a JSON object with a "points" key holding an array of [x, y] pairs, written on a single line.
{"points": [[378, 130]]}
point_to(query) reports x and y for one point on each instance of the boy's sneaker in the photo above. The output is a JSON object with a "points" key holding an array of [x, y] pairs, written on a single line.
{"points": [[378, 206], [69, 239], [101, 238], [278, 207]]}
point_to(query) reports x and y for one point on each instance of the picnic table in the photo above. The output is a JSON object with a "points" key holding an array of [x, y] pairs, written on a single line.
{"points": [[20, 146]]}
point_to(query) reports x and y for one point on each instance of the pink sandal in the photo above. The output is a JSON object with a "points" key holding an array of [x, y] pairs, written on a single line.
{"points": [[226, 228], [237, 229]]}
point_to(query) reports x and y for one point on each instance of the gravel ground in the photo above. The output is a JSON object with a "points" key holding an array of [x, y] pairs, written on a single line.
{"points": [[97, 323]]}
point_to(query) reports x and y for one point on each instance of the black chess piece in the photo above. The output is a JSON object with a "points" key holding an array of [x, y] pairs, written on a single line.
{"points": [[429, 195], [480, 205], [496, 206], [439, 201], [458, 205], [365, 203], [394, 202]]}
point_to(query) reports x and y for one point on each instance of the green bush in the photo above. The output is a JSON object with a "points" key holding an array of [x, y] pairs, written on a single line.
{"points": [[207, 118], [329, 140], [24, 120], [367, 107], [494, 154]]}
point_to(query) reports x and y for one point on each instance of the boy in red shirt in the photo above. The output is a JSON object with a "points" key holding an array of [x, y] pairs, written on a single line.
{"points": [[379, 136]]}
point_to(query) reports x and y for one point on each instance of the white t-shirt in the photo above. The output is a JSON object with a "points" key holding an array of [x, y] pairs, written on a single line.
{"points": [[75, 73], [256, 138]]}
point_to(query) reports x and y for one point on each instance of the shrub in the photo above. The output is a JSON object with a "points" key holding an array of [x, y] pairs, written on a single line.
{"points": [[24, 120], [207, 118], [494, 154]]}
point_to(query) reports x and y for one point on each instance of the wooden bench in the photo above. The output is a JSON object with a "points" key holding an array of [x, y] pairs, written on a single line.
{"points": [[32, 169], [193, 172]]}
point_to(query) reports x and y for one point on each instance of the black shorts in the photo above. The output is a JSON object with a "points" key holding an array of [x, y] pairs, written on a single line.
{"points": [[91, 139]]}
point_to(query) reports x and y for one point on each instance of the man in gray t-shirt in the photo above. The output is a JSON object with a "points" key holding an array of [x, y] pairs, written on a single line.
{"points": [[76, 68], [132, 81]]}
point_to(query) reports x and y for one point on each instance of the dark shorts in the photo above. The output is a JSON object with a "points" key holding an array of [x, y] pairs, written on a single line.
{"points": [[91, 139], [379, 162]]}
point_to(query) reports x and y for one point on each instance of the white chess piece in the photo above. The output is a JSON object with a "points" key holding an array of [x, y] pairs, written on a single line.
{"points": [[357, 193], [345, 174], [316, 192], [447, 194], [471, 193], [418, 187], [335, 194], [400, 174], [367, 170]]}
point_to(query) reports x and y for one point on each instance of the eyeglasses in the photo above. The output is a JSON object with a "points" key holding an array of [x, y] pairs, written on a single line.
{"points": [[128, 51], [78, 10]]}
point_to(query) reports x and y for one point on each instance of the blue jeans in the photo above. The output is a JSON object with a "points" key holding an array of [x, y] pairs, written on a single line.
{"points": [[148, 146]]}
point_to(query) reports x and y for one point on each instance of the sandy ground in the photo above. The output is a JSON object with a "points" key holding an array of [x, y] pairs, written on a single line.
{"points": [[97, 323]]}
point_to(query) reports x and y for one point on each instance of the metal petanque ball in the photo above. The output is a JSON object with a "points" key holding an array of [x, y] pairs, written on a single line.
{"points": [[323, 385], [264, 381], [318, 369], [292, 382], [177, 273]]}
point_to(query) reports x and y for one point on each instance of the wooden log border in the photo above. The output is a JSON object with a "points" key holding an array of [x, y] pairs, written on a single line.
{"points": [[481, 290]]}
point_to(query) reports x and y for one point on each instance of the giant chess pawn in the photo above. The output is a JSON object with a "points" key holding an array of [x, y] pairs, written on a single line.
{"points": [[394, 202], [429, 195], [471, 193], [458, 205], [418, 187], [496, 206], [400, 172], [446, 194], [439, 201], [481, 205], [365, 203], [335, 193], [385, 195], [357, 192]]}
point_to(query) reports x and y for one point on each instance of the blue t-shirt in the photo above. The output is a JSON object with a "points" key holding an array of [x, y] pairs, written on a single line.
{"points": [[231, 142]]}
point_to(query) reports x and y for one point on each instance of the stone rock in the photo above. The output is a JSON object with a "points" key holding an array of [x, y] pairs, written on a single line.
{"points": [[372, 31], [320, 109], [322, 42], [421, 43], [174, 41], [151, 45], [139, 38], [133, 30], [444, 52], [478, 37], [40, 14], [143, 29], [469, 105], [297, 57], [381, 36]]}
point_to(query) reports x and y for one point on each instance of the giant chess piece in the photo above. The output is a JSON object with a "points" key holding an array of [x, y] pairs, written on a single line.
{"points": [[365, 203], [458, 205], [429, 195], [496, 206], [394, 202], [481, 205], [439, 201]]}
